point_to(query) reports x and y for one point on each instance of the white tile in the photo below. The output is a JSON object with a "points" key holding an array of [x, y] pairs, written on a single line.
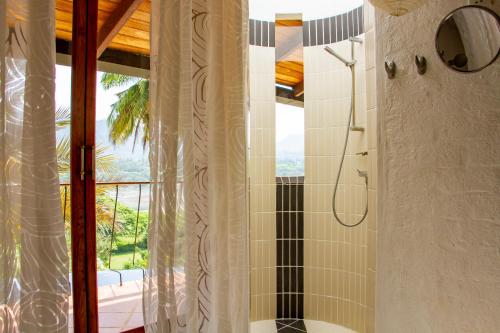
{"points": [[263, 326]]}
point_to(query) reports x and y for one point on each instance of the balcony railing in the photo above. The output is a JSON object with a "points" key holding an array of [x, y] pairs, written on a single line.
{"points": [[112, 191]]}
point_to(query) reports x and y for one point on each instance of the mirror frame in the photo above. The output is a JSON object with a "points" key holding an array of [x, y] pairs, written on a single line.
{"points": [[492, 12]]}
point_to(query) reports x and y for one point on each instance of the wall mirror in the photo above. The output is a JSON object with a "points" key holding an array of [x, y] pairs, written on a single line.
{"points": [[468, 39]]}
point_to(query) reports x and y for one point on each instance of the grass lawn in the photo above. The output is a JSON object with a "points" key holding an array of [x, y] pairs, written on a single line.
{"points": [[121, 260], [118, 261]]}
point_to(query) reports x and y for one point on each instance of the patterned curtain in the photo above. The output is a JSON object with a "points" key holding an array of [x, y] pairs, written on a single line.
{"points": [[34, 286], [197, 279]]}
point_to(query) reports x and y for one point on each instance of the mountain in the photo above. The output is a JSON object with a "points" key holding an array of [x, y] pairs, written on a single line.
{"points": [[132, 161], [125, 151], [291, 147], [290, 156]]}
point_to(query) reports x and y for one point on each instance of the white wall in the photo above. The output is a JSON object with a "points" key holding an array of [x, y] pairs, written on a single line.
{"points": [[438, 255]]}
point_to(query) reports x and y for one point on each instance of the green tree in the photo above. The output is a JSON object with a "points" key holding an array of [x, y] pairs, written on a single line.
{"points": [[105, 165], [130, 114]]}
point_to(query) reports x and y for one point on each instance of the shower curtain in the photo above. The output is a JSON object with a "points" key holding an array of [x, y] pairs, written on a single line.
{"points": [[197, 279], [34, 286]]}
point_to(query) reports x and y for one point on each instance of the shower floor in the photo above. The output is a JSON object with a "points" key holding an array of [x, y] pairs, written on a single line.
{"points": [[311, 326]]}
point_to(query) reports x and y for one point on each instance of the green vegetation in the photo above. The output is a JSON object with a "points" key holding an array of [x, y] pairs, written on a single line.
{"points": [[125, 218], [290, 167], [124, 237]]}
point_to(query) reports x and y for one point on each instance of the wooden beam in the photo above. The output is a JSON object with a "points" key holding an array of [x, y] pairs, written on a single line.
{"points": [[115, 22], [298, 89]]}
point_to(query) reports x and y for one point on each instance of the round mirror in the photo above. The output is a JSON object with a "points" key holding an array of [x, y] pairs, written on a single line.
{"points": [[468, 39]]}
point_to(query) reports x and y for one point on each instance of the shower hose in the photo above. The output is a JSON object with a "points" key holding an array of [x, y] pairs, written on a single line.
{"points": [[334, 208]]}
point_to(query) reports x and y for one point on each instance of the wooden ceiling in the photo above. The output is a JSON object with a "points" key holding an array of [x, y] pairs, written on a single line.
{"points": [[124, 25], [290, 55], [124, 22]]}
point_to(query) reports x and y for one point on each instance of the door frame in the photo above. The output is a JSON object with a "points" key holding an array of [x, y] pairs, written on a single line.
{"points": [[83, 217]]}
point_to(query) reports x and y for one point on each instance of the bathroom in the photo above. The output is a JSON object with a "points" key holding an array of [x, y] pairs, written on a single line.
{"points": [[262, 166], [313, 255]]}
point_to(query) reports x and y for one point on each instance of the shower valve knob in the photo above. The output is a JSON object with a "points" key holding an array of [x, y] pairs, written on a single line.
{"points": [[362, 173]]}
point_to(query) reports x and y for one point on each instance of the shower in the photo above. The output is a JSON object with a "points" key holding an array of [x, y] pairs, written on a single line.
{"points": [[350, 127]]}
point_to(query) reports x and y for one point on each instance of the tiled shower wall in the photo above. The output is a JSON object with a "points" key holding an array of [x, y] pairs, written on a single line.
{"points": [[262, 166], [336, 257]]}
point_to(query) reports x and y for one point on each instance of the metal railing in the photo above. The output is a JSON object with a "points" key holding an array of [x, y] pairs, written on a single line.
{"points": [[117, 185]]}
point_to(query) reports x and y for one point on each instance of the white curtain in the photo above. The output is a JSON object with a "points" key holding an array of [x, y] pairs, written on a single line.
{"points": [[34, 284], [197, 279]]}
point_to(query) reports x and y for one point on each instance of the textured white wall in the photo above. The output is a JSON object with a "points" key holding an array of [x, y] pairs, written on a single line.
{"points": [[438, 255]]}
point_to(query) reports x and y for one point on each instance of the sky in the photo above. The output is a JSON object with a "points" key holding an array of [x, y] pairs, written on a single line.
{"points": [[289, 121], [104, 99]]}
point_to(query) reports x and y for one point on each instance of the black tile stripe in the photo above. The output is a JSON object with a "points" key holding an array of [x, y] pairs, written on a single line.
{"points": [[258, 33], [326, 30], [350, 21], [252, 32], [290, 246], [272, 33], [345, 27], [361, 19], [265, 33], [333, 30], [316, 32], [355, 22], [312, 33], [319, 24], [305, 33], [338, 20]]}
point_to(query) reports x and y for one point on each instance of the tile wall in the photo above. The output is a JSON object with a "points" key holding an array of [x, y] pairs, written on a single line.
{"points": [[339, 263], [262, 168], [337, 258]]}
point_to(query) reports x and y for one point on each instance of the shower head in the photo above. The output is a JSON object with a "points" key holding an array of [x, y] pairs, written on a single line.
{"points": [[339, 57]]}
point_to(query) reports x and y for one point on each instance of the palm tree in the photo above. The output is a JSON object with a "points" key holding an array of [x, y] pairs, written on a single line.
{"points": [[130, 114], [105, 164], [104, 161]]}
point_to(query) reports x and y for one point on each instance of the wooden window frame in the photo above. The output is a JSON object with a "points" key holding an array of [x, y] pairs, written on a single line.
{"points": [[83, 218]]}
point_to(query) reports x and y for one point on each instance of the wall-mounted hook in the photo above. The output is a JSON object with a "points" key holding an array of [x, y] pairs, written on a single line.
{"points": [[390, 68], [421, 63]]}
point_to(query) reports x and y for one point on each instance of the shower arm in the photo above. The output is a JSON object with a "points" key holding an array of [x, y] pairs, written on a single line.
{"points": [[353, 82], [351, 64]]}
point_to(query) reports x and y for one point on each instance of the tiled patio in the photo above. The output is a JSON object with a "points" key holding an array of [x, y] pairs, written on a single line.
{"points": [[120, 308]]}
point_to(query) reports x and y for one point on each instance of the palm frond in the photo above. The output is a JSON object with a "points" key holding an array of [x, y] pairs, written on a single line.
{"points": [[114, 80], [105, 162], [63, 117], [63, 149], [130, 114]]}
